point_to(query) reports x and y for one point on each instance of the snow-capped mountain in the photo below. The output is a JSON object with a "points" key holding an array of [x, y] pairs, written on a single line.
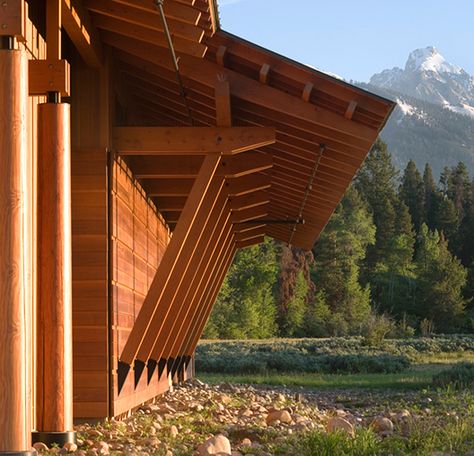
{"points": [[434, 118], [429, 77]]}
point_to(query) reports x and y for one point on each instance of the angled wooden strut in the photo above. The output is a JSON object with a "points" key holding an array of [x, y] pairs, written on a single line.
{"points": [[209, 300], [180, 241], [199, 265], [215, 269], [202, 227], [181, 276], [175, 349]]}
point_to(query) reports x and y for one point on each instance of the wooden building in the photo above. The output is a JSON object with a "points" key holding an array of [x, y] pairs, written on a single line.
{"points": [[141, 147]]}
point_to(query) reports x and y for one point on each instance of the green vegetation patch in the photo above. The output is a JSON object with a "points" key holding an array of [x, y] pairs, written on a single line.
{"points": [[459, 376]]}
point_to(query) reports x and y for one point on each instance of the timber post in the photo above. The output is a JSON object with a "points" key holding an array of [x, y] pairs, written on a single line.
{"points": [[15, 276], [54, 414], [54, 326]]}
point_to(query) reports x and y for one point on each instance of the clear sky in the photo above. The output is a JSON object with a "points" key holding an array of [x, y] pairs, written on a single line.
{"points": [[355, 38]]}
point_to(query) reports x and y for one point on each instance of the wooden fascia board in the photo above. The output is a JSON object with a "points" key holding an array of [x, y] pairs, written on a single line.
{"points": [[78, 25], [190, 140]]}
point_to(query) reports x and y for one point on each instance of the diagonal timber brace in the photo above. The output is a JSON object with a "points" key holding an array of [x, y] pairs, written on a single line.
{"points": [[175, 250], [180, 325]]}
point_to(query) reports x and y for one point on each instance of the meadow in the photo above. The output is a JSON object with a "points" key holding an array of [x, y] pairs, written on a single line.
{"points": [[430, 378]]}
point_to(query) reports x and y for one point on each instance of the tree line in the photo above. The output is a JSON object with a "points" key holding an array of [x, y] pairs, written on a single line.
{"points": [[398, 254]]}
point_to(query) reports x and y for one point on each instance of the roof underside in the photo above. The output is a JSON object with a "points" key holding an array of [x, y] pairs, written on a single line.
{"points": [[311, 111]]}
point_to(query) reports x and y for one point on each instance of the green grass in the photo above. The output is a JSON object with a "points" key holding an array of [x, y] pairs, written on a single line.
{"points": [[416, 378]]}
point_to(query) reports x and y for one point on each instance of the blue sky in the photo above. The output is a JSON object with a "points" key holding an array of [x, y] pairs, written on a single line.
{"points": [[355, 38]]}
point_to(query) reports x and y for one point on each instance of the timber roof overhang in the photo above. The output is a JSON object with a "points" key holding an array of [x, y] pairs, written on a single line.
{"points": [[324, 126]]}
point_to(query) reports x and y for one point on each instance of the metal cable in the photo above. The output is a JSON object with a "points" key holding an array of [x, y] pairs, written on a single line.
{"points": [[159, 6], [309, 187]]}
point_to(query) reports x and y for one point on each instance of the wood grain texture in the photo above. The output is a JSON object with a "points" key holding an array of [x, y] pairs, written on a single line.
{"points": [[54, 325], [16, 305]]}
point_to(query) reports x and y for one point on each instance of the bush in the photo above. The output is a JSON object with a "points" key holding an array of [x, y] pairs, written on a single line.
{"points": [[305, 355], [376, 328], [460, 376]]}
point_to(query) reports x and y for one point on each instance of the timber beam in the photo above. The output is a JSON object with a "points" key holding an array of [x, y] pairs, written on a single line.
{"points": [[78, 25], [248, 90], [208, 297], [190, 140]]}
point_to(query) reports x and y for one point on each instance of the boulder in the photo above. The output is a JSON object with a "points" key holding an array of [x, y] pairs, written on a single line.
{"points": [[275, 416], [337, 423], [382, 425], [215, 445]]}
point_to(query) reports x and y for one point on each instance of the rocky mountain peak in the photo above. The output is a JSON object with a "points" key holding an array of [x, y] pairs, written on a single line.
{"points": [[429, 59]]}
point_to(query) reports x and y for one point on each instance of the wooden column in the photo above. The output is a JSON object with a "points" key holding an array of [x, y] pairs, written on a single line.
{"points": [[15, 283], [54, 327]]}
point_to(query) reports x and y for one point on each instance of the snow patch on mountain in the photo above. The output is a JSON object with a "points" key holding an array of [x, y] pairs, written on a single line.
{"points": [[429, 59], [429, 77]]}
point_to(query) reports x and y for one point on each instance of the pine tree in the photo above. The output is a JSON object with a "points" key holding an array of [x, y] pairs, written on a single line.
{"points": [[338, 255], [441, 279], [246, 307], [388, 265], [429, 186], [376, 183], [412, 193]]}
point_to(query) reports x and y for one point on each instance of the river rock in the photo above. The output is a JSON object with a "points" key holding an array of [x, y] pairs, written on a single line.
{"points": [[337, 423]]}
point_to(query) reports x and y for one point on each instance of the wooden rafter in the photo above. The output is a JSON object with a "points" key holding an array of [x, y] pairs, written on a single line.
{"points": [[204, 72], [247, 184], [147, 19]]}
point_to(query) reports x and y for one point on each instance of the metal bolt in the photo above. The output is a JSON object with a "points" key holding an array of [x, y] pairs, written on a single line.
{"points": [[4, 26], [50, 66], [4, 4]]}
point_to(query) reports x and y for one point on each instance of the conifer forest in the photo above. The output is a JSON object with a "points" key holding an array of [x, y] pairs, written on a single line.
{"points": [[396, 259]]}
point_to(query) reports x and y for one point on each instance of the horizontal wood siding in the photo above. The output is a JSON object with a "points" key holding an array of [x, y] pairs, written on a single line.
{"points": [[89, 287], [139, 238]]}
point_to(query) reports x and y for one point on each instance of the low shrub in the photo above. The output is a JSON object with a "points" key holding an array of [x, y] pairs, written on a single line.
{"points": [[460, 376], [265, 362]]}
